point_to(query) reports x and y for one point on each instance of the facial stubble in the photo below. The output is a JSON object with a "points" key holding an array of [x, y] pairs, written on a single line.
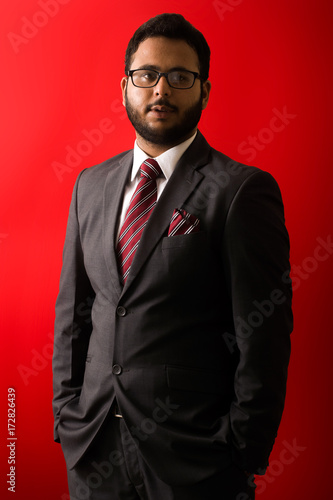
{"points": [[169, 136]]}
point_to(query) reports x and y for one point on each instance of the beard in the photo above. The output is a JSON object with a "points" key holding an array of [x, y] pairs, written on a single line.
{"points": [[168, 136]]}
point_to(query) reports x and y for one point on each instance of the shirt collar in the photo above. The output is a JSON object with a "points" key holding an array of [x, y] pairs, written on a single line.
{"points": [[167, 160]]}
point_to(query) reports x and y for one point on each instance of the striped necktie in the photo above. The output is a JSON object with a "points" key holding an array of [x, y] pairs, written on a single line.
{"points": [[141, 206]]}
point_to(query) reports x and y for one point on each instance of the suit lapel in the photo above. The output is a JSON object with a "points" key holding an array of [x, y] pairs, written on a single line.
{"points": [[113, 194], [179, 187]]}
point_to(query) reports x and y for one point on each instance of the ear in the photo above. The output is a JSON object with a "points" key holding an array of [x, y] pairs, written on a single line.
{"points": [[123, 85], [206, 86]]}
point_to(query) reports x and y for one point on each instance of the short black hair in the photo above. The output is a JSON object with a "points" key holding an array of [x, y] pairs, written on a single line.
{"points": [[171, 26]]}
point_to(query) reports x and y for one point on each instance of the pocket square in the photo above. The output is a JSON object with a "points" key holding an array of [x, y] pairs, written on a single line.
{"points": [[183, 223]]}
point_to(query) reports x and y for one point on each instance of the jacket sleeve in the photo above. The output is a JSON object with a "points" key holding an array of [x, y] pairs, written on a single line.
{"points": [[256, 256], [73, 319]]}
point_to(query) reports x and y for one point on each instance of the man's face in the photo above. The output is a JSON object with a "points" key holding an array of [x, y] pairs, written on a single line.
{"points": [[162, 115]]}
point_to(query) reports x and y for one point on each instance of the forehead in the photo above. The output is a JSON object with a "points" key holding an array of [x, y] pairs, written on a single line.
{"points": [[164, 54]]}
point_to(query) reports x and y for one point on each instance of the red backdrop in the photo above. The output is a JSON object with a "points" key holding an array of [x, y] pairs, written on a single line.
{"points": [[270, 105]]}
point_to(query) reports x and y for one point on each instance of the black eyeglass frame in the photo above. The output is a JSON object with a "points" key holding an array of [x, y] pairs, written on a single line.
{"points": [[194, 73]]}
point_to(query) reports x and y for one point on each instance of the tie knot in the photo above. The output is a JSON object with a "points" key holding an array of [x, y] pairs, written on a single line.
{"points": [[150, 168]]}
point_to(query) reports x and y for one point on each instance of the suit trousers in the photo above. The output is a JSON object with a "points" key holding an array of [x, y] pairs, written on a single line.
{"points": [[112, 469]]}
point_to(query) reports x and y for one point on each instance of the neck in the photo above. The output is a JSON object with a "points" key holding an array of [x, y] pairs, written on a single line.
{"points": [[154, 150]]}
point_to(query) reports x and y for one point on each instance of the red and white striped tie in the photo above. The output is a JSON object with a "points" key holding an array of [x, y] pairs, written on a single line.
{"points": [[141, 206]]}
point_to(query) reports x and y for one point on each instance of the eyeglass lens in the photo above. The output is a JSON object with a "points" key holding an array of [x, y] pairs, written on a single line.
{"points": [[148, 78]]}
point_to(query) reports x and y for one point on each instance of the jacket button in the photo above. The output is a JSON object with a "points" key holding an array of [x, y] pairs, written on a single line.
{"points": [[121, 311], [116, 369]]}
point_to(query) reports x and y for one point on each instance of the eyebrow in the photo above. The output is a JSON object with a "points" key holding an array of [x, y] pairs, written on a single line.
{"points": [[158, 68]]}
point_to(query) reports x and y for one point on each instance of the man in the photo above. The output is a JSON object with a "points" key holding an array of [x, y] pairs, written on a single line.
{"points": [[173, 319]]}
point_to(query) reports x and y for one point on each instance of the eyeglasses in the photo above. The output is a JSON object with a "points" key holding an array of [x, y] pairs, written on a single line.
{"points": [[177, 79]]}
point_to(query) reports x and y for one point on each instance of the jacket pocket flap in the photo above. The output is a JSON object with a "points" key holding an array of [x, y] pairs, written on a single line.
{"points": [[195, 380]]}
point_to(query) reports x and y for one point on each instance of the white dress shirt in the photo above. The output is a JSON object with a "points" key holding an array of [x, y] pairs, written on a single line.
{"points": [[167, 161]]}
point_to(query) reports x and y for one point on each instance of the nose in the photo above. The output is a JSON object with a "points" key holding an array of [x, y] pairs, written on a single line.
{"points": [[162, 87]]}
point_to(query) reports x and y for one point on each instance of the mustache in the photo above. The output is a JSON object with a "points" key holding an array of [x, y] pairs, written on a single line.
{"points": [[161, 102]]}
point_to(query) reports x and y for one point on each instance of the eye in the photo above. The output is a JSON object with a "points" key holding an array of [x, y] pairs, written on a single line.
{"points": [[147, 75], [181, 78]]}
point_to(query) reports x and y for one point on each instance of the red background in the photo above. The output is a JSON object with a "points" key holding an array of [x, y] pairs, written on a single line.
{"points": [[62, 78]]}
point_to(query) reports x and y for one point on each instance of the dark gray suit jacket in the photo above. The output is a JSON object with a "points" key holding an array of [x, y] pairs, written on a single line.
{"points": [[195, 347]]}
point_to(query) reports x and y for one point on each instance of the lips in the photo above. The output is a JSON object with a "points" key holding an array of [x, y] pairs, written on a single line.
{"points": [[161, 106], [161, 112], [161, 109]]}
